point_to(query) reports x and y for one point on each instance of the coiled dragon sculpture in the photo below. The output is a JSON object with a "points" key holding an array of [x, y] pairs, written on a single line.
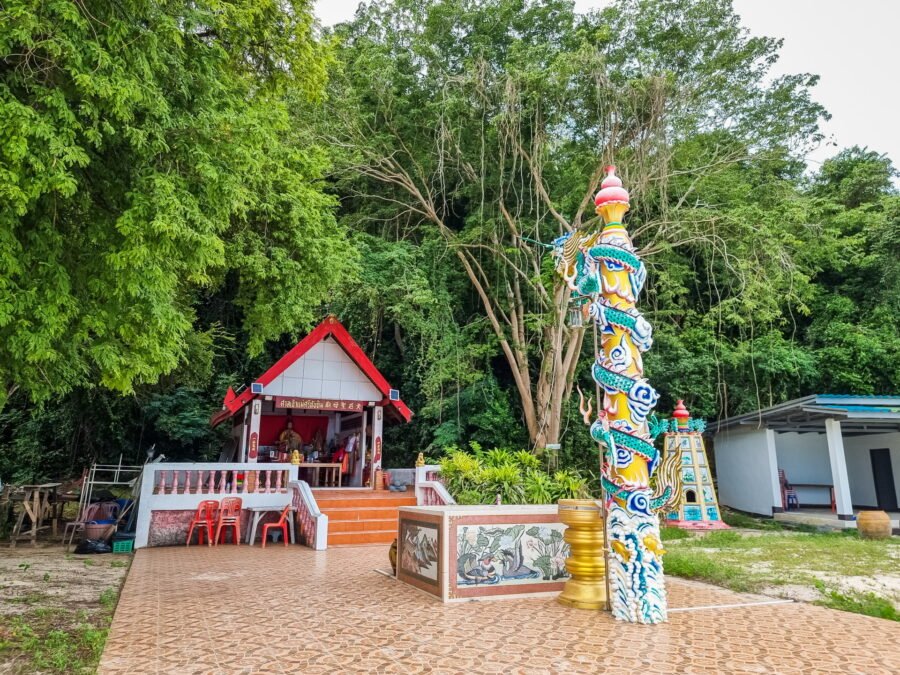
{"points": [[606, 276]]}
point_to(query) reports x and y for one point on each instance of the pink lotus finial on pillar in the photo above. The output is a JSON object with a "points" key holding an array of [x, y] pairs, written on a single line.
{"points": [[612, 200], [611, 190]]}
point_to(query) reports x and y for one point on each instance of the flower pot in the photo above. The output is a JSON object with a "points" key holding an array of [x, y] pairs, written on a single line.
{"points": [[873, 525], [387, 480]]}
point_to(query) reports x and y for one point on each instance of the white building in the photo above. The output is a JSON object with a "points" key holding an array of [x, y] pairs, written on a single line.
{"points": [[839, 455]]}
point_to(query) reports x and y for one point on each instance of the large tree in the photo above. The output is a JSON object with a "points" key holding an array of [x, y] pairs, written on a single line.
{"points": [[150, 153], [485, 124]]}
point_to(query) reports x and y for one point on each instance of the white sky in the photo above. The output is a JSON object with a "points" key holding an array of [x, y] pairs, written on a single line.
{"points": [[853, 46]]}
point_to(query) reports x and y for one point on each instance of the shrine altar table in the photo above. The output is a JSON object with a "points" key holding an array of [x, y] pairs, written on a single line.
{"points": [[332, 473]]}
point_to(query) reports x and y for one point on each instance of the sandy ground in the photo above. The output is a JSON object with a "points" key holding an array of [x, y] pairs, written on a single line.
{"points": [[886, 586], [48, 577]]}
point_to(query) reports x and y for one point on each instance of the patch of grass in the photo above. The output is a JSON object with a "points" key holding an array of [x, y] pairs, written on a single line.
{"points": [[53, 640], [673, 533], [736, 519], [722, 538], [803, 527], [683, 563], [27, 599], [858, 603], [109, 597], [118, 563]]}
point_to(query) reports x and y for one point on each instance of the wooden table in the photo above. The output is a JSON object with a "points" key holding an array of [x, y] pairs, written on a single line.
{"points": [[332, 473], [38, 503], [257, 515]]}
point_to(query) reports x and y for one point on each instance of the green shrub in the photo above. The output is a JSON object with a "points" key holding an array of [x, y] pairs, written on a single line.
{"points": [[538, 487], [526, 460], [569, 484], [477, 476], [498, 457]]}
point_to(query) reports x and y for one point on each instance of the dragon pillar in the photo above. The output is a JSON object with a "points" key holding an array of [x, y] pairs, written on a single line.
{"points": [[606, 276]]}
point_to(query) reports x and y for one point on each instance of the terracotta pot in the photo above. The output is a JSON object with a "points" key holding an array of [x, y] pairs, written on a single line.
{"points": [[873, 525], [392, 555], [387, 480], [379, 480]]}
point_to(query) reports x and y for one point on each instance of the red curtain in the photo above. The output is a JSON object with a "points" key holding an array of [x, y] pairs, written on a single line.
{"points": [[271, 426]]}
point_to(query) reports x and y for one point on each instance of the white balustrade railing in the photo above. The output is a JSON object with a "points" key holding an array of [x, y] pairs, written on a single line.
{"points": [[430, 491], [312, 524], [220, 481], [182, 486]]}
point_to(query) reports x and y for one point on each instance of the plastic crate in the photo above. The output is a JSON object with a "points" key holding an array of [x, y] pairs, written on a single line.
{"points": [[123, 546]]}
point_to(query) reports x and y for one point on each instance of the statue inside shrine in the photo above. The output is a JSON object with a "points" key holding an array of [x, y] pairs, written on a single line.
{"points": [[289, 440]]}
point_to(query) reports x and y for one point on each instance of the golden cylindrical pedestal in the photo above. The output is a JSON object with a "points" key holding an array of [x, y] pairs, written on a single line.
{"points": [[586, 589]]}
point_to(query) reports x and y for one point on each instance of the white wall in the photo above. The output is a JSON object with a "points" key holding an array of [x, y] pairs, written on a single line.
{"points": [[325, 371], [804, 458], [859, 465], [744, 467]]}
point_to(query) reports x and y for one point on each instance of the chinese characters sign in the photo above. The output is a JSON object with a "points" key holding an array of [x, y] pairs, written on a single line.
{"points": [[294, 403]]}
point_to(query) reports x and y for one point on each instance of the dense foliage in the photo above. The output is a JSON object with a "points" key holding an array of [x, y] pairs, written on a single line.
{"points": [[148, 151], [169, 221]]}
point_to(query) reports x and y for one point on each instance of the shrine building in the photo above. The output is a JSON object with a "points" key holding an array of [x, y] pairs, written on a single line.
{"points": [[323, 403]]}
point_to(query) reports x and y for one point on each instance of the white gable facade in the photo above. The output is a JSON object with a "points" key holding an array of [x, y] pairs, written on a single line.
{"points": [[327, 372]]}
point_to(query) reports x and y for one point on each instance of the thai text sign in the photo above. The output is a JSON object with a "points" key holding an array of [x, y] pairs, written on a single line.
{"points": [[293, 402]]}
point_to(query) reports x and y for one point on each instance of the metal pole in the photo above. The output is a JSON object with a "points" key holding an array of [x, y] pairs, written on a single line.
{"points": [[600, 405]]}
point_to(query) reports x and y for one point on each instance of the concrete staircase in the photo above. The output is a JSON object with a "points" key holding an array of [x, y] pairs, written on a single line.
{"points": [[362, 517]]}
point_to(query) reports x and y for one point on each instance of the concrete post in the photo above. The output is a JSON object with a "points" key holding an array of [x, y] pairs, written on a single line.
{"points": [[839, 469], [774, 482], [363, 450], [242, 454]]}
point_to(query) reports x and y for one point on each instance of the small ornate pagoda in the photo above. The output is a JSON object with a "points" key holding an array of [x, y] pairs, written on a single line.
{"points": [[699, 508]]}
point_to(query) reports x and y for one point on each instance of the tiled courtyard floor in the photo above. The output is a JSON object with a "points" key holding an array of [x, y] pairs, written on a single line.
{"points": [[294, 610]]}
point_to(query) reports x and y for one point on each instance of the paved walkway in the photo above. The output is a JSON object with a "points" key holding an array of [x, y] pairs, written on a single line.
{"points": [[294, 610]]}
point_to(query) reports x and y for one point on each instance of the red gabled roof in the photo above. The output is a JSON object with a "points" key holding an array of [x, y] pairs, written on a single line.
{"points": [[330, 326]]}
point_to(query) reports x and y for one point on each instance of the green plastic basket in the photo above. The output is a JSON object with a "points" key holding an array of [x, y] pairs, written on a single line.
{"points": [[123, 546]]}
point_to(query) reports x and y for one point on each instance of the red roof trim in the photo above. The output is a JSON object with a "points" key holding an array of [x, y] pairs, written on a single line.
{"points": [[330, 326]]}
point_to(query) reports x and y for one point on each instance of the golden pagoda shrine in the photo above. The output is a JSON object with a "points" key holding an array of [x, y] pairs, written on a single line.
{"points": [[699, 507]]}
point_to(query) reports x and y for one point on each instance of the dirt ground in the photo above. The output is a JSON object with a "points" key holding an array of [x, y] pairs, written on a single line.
{"points": [[50, 577], [55, 607]]}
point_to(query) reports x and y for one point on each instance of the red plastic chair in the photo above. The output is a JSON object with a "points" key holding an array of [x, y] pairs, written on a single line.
{"points": [[203, 521], [230, 516], [282, 525]]}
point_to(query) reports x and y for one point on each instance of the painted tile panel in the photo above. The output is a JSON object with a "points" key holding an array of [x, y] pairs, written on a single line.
{"points": [[419, 549], [510, 555]]}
